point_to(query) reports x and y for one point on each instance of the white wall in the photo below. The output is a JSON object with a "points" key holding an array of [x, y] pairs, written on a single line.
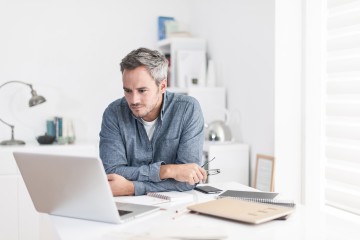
{"points": [[70, 51], [240, 38]]}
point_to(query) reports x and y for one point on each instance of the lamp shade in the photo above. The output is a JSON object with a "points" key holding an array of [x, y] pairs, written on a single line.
{"points": [[35, 99]]}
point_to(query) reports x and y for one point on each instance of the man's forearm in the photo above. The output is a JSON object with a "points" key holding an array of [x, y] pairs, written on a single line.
{"points": [[166, 171], [142, 188], [143, 173]]}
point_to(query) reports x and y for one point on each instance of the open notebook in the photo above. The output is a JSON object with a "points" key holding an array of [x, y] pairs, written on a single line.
{"points": [[241, 210]]}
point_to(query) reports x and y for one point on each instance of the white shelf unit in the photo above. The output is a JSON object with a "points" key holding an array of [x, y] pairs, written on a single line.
{"points": [[231, 158], [173, 45]]}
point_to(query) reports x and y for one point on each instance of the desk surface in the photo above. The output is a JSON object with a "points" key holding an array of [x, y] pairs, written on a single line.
{"points": [[303, 224]]}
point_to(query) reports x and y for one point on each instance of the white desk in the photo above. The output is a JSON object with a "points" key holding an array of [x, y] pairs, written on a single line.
{"points": [[302, 224]]}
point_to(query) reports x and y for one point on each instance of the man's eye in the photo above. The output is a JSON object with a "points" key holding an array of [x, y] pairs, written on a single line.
{"points": [[126, 90], [142, 90]]}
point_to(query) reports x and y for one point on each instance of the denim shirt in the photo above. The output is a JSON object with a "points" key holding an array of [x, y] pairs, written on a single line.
{"points": [[125, 148]]}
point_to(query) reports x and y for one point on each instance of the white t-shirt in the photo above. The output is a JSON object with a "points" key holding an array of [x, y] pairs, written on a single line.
{"points": [[149, 127]]}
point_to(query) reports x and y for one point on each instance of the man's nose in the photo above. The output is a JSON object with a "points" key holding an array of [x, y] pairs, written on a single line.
{"points": [[134, 98]]}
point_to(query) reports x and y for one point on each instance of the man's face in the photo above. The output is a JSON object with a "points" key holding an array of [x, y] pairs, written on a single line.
{"points": [[142, 94]]}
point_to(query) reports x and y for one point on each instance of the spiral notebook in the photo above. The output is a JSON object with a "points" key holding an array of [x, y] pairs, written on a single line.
{"points": [[261, 197], [155, 198], [172, 196]]}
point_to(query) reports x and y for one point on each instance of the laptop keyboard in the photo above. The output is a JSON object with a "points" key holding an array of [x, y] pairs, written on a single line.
{"points": [[123, 212]]}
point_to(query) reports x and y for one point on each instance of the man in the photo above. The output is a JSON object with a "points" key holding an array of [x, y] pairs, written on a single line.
{"points": [[151, 140]]}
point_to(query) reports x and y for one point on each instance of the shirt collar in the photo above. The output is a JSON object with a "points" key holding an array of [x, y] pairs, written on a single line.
{"points": [[162, 112]]}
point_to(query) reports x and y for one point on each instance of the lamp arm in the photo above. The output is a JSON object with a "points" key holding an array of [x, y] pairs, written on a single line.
{"points": [[6, 123], [16, 81], [13, 81]]}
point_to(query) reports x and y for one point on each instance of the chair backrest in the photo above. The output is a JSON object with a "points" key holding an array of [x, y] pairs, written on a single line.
{"points": [[264, 173]]}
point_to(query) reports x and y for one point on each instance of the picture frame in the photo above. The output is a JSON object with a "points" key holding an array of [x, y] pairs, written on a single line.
{"points": [[264, 173]]}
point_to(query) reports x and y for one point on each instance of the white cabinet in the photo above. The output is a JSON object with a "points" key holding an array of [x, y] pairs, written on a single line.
{"points": [[18, 218], [231, 158], [8, 206]]}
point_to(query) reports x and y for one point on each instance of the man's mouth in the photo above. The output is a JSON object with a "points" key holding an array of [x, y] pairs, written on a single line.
{"points": [[135, 107]]}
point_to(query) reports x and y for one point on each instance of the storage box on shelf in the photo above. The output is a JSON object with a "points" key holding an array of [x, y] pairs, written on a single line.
{"points": [[231, 158]]}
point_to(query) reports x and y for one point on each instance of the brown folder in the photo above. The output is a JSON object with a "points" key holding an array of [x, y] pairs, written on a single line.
{"points": [[241, 210]]}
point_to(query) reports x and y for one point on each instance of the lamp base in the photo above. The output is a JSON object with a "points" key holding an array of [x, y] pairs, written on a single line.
{"points": [[12, 142]]}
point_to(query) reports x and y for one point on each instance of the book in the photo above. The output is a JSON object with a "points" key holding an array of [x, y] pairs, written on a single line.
{"points": [[260, 197], [161, 26], [241, 210]]}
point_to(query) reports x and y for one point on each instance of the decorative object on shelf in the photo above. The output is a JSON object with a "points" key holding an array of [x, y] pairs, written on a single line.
{"points": [[70, 132], [62, 128], [45, 139], [264, 173], [34, 100], [218, 130]]}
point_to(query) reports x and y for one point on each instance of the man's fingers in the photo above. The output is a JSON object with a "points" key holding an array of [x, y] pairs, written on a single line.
{"points": [[111, 177], [204, 174]]}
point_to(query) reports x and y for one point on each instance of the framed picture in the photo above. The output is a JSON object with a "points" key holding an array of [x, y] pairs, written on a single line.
{"points": [[264, 173]]}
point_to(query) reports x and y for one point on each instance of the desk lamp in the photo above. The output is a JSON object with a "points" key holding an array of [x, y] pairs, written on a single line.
{"points": [[34, 100]]}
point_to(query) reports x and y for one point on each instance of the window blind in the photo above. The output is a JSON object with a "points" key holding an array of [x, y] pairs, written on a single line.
{"points": [[342, 106]]}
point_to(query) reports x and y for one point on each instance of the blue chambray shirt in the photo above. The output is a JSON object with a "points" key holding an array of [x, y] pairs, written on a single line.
{"points": [[125, 148]]}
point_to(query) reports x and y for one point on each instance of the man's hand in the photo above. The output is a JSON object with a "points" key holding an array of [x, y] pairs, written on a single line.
{"points": [[190, 172], [120, 186]]}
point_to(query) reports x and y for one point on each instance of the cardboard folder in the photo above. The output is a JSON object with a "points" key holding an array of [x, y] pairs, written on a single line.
{"points": [[241, 210]]}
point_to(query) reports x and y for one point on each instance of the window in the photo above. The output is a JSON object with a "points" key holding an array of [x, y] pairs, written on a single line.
{"points": [[341, 106]]}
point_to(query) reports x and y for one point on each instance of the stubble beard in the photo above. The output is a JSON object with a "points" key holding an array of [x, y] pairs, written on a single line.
{"points": [[148, 109]]}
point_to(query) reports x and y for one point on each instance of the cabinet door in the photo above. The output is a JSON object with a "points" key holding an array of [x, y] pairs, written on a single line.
{"points": [[28, 216], [233, 162], [9, 207]]}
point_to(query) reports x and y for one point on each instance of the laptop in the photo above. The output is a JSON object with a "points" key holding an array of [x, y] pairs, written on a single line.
{"points": [[73, 186]]}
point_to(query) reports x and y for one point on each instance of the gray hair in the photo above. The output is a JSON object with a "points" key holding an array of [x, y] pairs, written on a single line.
{"points": [[154, 62]]}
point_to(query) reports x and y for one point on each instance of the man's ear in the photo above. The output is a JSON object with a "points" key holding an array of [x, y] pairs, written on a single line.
{"points": [[163, 85]]}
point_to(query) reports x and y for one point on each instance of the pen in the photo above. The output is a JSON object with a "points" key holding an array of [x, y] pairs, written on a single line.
{"points": [[180, 212], [207, 162]]}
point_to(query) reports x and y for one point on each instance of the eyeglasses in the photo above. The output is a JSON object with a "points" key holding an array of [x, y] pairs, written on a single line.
{"points": [[207, 162], [213, 171]]}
